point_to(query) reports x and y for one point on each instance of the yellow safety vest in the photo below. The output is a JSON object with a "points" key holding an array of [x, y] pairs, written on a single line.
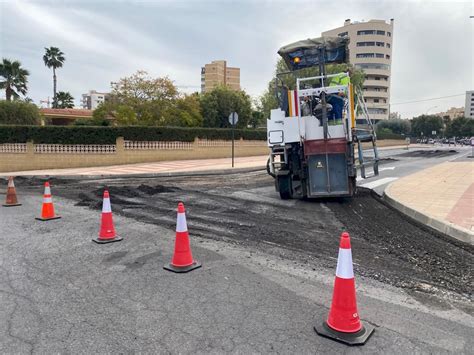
{"points": [[341, 79]]}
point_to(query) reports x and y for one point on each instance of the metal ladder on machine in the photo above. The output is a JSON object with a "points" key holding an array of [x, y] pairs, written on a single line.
{"points": [[366, 135]]}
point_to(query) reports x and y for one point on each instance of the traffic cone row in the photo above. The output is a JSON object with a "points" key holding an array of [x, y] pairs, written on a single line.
{"points": [[182, 260], [343, 322]]}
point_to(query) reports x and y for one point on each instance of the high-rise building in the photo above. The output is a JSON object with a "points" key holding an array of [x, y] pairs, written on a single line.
{"points": [[93, 99], [370, 49], [469, 106], [218, 73]]}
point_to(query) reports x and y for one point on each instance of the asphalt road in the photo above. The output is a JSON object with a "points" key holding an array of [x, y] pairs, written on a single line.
{"points": [[264, 282], [402, 162]]}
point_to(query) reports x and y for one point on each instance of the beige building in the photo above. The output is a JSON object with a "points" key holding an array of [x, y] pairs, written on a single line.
{"points": [[452, 113], [370, 49], [218, 73]]}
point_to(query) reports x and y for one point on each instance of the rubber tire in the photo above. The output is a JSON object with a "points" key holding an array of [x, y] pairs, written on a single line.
{"points": [[284, 187]]}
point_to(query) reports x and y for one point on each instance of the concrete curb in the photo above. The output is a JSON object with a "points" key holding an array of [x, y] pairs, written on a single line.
{"points": [[443, 227]]}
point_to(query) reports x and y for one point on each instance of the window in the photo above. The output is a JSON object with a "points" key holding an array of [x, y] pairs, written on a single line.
{"points": [[377, 78], [384, 101], [365, 32], [365, 55], [382, 33], [372, 66], [379, 55], [387, 56], [343, 34], [380, 44], [389, 34], [365, 44], [379, 111], [388, 45], [376, 100]]}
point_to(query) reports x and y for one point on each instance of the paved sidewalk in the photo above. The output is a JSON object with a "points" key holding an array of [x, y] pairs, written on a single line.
{"points": [[152, 168], [441, 196]]}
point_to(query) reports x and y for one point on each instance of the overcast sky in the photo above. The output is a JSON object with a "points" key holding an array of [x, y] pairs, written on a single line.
{"points": [[105, 40]]}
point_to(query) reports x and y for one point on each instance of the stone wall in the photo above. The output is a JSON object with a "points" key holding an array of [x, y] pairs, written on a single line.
{"points": [[29, 156]]}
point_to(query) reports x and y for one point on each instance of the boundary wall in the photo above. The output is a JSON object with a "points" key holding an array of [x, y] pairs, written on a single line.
{"points": [[30, 156]]}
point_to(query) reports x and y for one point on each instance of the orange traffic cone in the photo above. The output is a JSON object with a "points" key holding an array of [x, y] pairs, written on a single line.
{"points": [[11, 194], [47, 211], [182, 258], [107, 230], [343, 323]]}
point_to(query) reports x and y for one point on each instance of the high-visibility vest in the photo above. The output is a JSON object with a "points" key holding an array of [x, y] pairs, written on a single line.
{"points": [[340, 79]]}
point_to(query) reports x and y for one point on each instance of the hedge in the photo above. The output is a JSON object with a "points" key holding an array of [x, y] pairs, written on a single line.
{"points": [[108, 135]]}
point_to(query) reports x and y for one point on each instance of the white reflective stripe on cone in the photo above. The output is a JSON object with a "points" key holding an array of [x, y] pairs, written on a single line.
{"points": [[47, 190], [11, 183], [181, 225], [344, 264], [47, 200], [106, 205]]}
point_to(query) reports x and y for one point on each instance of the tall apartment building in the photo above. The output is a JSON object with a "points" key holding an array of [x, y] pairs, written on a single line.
{"points": [[469, 106], [370, 49], [93, 99], [218, 73]]}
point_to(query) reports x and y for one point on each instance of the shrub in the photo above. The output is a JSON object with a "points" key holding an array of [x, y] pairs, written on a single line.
{"points": [[18, 113], [108, 135]]}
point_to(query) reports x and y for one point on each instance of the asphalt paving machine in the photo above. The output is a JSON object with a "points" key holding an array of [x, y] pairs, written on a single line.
{"points": [[312, 134]]}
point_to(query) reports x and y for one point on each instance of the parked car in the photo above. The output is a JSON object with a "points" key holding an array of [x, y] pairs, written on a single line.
{"points": [[431, 141]]}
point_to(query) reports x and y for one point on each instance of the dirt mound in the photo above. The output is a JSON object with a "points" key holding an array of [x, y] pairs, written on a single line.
{"points": [[157, 189]]}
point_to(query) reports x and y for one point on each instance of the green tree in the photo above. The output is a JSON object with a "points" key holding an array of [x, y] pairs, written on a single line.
{"points": [[53, 58], [217, 104], [424, 125], [152, 99], [14, 79], [394, 125], [63, 99], [460, 127], [187, 112], [18, 113]]}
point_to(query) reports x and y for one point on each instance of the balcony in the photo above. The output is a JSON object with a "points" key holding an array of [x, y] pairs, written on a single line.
{"points": [[376, 94], [380, 83]]}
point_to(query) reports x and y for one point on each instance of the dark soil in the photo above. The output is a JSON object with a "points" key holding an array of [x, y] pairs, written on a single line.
{"points": [[428, 153], [242, 208]]}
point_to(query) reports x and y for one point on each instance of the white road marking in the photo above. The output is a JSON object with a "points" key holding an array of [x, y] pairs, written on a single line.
{"points": [[376, 183], [387, 168]]}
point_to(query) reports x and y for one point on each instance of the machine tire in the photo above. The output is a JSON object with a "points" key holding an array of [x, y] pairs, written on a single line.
{"points": [[284, 187]]}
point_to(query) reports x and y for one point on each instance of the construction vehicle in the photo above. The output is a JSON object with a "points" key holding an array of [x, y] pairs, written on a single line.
{"points": [[312, 134]]}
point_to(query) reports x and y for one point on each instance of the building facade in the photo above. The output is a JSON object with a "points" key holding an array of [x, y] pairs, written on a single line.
{"points": [[93, 99], [218, 73], [452, 113], [370, 49], [469, 106]]}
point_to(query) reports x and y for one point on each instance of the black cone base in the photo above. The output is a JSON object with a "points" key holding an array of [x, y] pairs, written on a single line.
{"points": [[47, 219], [357, 338], [179, 269], [11, 205], [106, 241]]}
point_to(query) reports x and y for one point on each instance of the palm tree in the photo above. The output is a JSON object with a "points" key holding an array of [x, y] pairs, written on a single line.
{"points": [[63, 99], [15, 78], [53, 58]]}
